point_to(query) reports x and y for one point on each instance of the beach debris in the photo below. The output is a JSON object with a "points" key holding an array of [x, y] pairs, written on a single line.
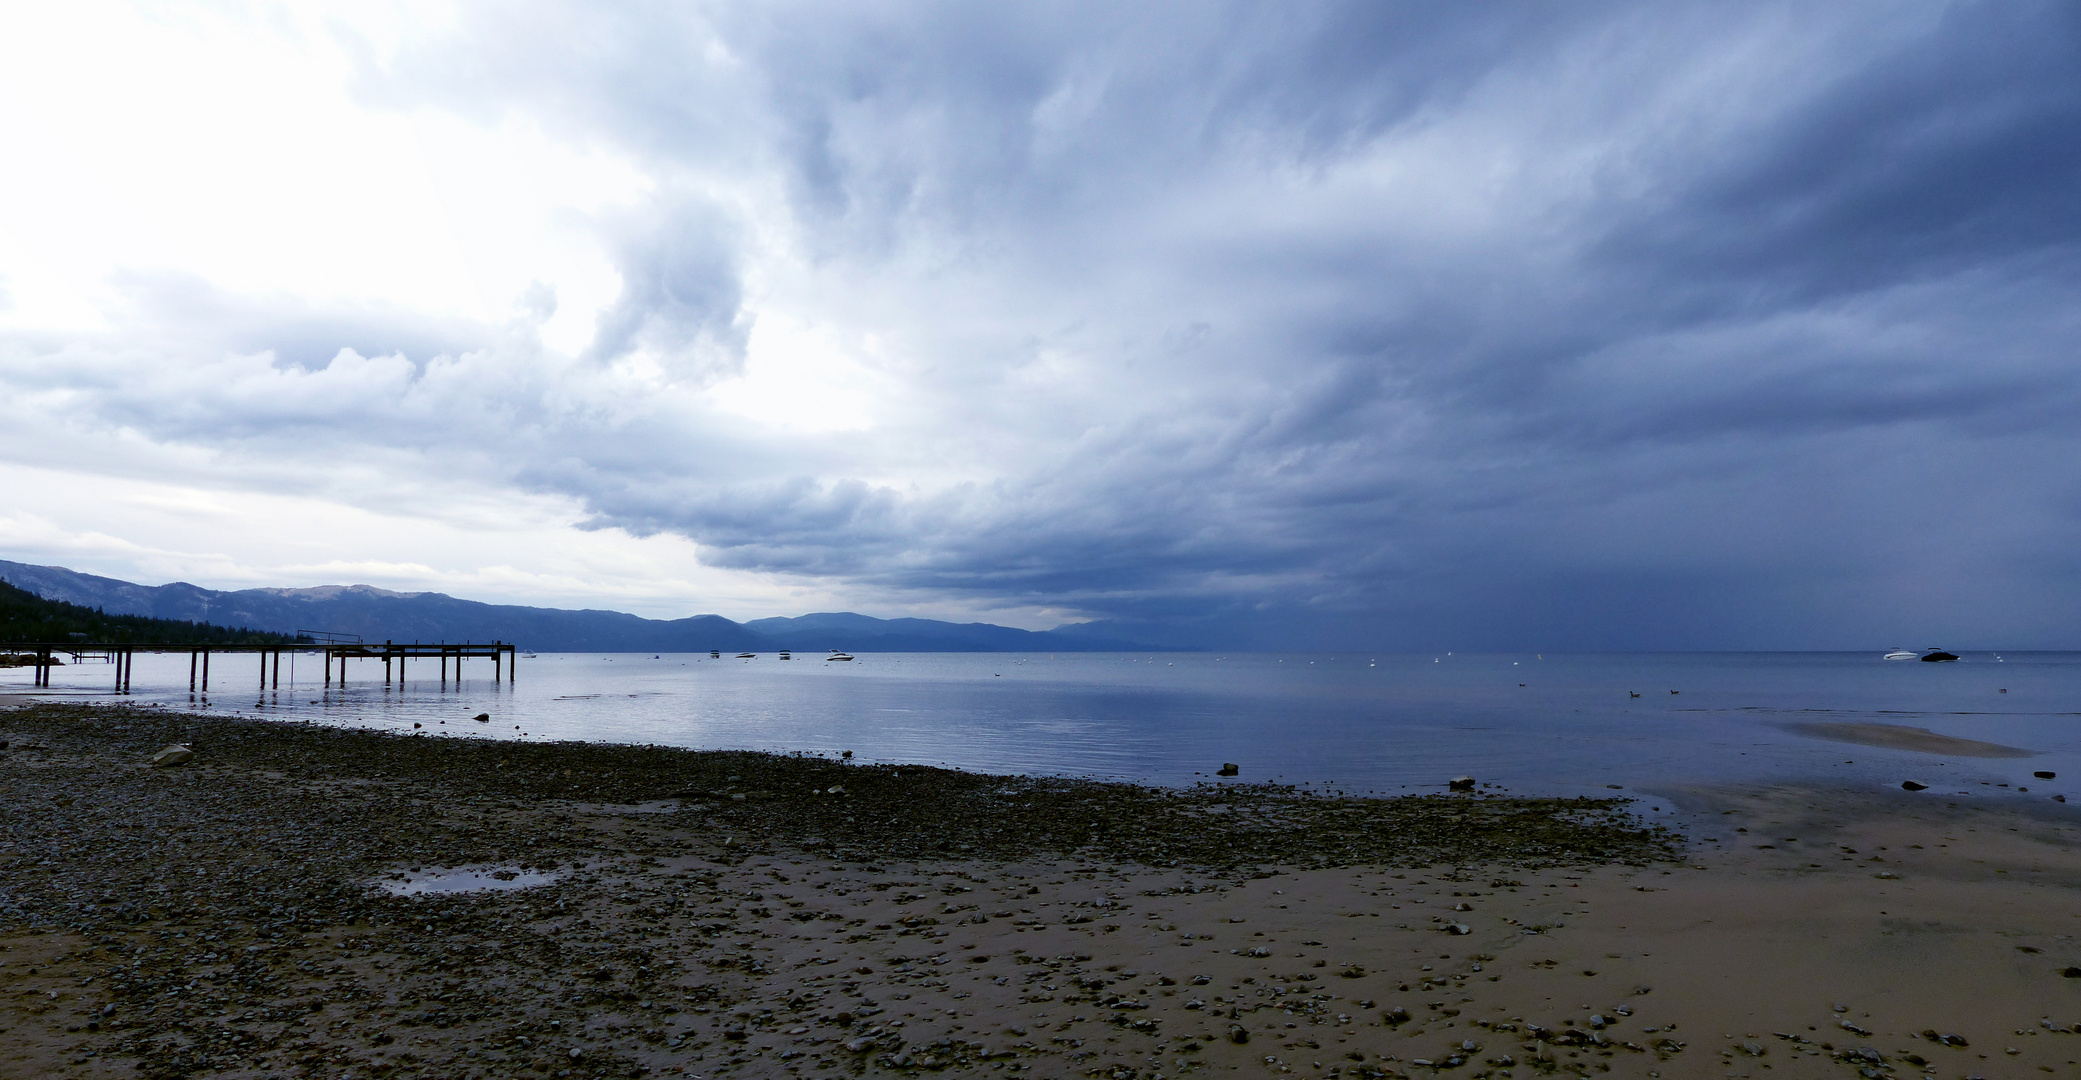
{"points": [[1461, 783], [1228, 768], [1913, 785], [175, 754], [482, 718], [2042, 774], [1852, 1028], [1456, 929]]}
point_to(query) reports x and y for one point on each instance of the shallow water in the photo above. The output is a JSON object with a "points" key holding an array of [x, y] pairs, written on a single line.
{"points": [[1552, 724], [464, 879]]}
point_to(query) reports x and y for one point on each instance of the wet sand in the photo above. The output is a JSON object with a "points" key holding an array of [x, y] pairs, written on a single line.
{"points": [[1902, 737], [217, 920]]}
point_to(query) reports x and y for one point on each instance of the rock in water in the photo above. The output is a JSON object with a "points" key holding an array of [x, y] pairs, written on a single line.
{"points": [[482, 718], [1228, 768], [1910, 785], [172, 755], [1461, 783], [2042, 774]]}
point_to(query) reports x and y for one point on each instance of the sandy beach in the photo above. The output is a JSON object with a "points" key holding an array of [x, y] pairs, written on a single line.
{"points": [[711, 914]]}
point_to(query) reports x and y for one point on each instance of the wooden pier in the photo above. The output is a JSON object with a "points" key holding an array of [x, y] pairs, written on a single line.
{"points": [[337, 652]]}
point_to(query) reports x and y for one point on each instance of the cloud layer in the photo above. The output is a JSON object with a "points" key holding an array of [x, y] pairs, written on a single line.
{"points": [[1590, 326]]}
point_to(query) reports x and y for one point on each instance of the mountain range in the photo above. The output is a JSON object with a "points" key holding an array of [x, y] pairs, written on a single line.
{"points": [[382, 615]]}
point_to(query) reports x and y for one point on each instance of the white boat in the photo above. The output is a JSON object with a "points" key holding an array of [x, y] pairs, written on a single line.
{"points": [[1903, 654], [836, 655]]}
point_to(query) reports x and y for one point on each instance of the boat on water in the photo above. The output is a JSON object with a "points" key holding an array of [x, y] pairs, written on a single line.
{"points": [[747, 656], [785, 655], [836, 655], [1903, 654], [1938, 656]]}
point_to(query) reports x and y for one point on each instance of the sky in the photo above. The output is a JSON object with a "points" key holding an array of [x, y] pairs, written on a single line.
{"points": [[1396, 325]]}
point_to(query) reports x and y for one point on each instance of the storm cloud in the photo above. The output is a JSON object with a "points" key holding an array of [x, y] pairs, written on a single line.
{"points": [[1246, 325]]}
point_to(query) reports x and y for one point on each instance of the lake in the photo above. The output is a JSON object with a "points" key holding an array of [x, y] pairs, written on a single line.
{"points": [[1358, 722]]}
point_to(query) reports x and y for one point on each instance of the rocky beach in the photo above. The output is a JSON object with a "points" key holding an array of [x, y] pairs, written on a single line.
{"points": [[296, 900]]}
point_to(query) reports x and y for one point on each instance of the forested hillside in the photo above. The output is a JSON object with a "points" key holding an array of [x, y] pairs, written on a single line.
{"points": [[25, 616]]}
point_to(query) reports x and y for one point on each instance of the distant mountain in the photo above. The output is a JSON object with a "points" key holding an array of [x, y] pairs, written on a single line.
{"points": [[861, 633], [27, 617], [381, 615]]}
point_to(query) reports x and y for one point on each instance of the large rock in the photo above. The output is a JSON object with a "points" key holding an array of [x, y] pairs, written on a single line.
{"points": [[171, 756], [1228, 769], [1461, 783]]}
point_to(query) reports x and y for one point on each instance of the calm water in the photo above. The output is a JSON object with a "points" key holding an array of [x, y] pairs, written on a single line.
{"points": [[1358, 722]]}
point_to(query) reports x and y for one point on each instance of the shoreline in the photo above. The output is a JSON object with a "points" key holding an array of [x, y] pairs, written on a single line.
{"points": [[224, 915]]}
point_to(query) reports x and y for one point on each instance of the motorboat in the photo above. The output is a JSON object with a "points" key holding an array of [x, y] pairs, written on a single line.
{"points": [[1938, 656], [784, 655], [1903, 654], [747, 656], [836, 655]]}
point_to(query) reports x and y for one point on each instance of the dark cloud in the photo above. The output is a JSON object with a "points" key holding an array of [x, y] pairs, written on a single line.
{"points": [[1588, 325]]}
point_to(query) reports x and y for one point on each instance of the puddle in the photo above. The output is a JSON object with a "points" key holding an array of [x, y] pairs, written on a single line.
{"points": [[464, 879]]}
